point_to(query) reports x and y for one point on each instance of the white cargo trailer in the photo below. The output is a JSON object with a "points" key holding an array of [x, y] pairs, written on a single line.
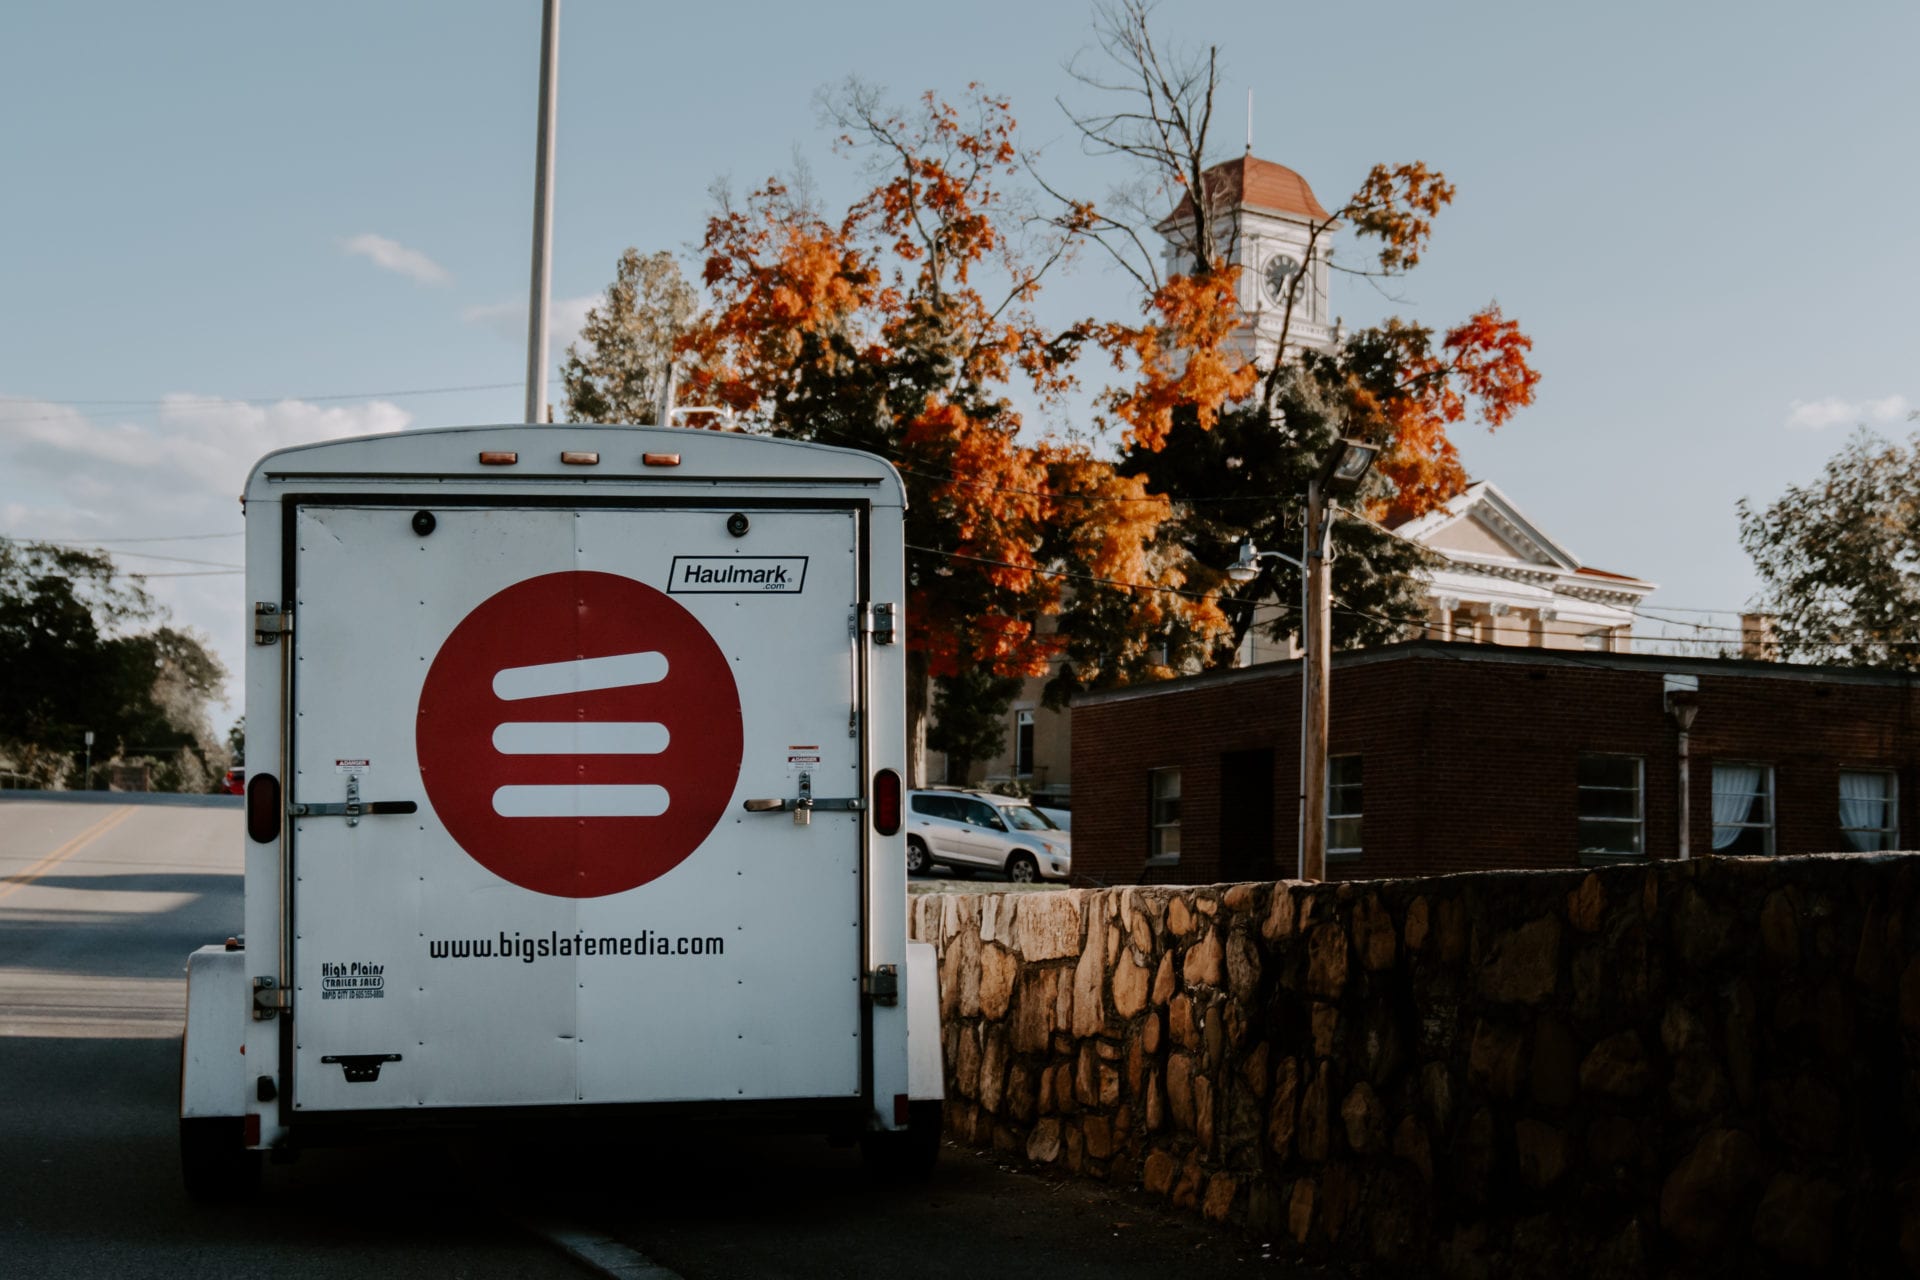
{"points": [[575, 760]]}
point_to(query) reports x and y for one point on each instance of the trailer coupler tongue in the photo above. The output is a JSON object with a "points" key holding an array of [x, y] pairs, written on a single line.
{"points": [[361, 1068]]}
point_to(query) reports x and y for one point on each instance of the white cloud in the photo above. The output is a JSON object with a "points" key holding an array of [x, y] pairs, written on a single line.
{"points": [[1820, 415], [67, 476], [393, 256], [565, 316]]}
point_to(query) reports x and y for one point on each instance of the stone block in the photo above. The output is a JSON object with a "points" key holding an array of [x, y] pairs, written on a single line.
{"points": [[1098, 1133], [1089, 983], [968, 947], [1163, 981], [1703, 1198], [1182, 1027], [1156, 1109], [1158, 1171], [1253, 1070], [1795, 1221], [1375, 941], [1035, 994], [1086, 1077], [1140, 933], [998, 968], [1415, 930], [1542, 1152], [1109, 1085], [1136, 1065], [1202, 966], [1064, 1100], [1324, 1021], [1300, 1210], [1312, 1134], [1204, 1111], [1806, 1113], [1703, 933], [993, 1071], [1697, 1088], [1180, 920], [1280, 1111], [1496, 1058], [1453, 930], [1239, 897], [1617, 1067], [966, 1065], [1129, 985], [1587, 905], [1043, 1144], [1243, 966], [1049, 925], [1327, 961], [1022, 1097], [1213, 1038], [1180, 1091], [1150, 1033], [1524, 965], [1076, 1145], [1365, 1120], [1279, 922], [1436, 1090], [1217, 1204]]}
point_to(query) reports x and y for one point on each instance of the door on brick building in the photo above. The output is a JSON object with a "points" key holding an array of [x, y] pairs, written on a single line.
{"points": [[1246, 815]]}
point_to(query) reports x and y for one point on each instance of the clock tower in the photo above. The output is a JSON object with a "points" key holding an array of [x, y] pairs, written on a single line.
{"points": [[1265, 216]]}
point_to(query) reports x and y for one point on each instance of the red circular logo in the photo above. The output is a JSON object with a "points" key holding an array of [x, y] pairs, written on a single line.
{"points": [[579, 734]]}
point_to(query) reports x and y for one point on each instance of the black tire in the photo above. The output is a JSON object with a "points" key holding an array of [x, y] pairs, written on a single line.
{"points": [[918, 863], [907, 1154], [1022, 869], [215, 1163]]}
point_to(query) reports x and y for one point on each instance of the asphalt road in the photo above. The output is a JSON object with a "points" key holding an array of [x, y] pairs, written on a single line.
{"points": [[100, 905]]}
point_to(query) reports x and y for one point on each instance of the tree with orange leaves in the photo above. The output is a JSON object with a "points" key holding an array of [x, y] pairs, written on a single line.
{"points": [[1234, 443], [900, 327]]}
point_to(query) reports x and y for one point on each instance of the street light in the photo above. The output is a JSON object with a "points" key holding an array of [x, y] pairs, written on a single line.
{"points": [[1341, 472]]}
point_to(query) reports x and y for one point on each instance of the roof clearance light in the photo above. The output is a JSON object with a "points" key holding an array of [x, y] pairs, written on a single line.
{"points": [[580, 458], [661, 459], [498, 458]]}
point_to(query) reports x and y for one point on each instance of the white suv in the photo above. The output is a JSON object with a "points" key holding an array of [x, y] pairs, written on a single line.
{"points": [[977, 829]]}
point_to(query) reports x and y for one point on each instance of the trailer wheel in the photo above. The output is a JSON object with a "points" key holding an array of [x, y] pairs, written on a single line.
{"points": [[918, 863], [1022, 869], [908, 1153]]}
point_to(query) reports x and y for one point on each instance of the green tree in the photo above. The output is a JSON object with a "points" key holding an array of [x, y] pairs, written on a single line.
{"points": [[81, 651], [617, 371], [1839, 559], [969, 717]]}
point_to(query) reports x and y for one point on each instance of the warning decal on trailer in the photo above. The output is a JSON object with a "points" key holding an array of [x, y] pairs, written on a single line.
{"points": [[579, 734]]}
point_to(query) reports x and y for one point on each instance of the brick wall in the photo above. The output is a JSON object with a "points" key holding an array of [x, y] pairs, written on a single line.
{"points": [[1470, 761]]}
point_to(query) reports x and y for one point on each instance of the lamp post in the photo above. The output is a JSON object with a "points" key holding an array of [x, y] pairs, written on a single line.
{"points": [[1341, 472], [87, 783]]}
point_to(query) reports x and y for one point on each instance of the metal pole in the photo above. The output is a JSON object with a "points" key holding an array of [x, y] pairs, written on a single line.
{"points": [[1306, 679], [543, 215], [1313, 861], [1686, 785], [87, 783]]}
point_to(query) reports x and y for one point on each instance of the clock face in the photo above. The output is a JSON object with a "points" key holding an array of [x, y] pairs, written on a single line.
{"points": [[1280, 269]]}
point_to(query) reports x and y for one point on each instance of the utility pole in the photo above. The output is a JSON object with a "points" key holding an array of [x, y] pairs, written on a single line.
{"points": [[543, 215], [1316, 665], [87, 783]]}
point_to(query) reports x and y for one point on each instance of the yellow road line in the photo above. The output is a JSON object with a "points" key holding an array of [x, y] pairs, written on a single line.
{"points": [[10, 885]]}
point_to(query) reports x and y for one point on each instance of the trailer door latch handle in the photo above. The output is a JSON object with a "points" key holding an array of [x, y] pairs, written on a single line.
{"points": [[354, 808], [802, 806]]}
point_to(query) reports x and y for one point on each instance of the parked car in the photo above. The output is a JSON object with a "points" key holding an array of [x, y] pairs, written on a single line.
{"points": [[966, 829], [234, 783], [1061, 818]]}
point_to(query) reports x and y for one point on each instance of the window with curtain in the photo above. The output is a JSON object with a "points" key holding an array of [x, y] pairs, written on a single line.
{"points": [[1869, 809], [1612, 806], [1343, 806], [1742, 809], [1022, 743], [1163, 790]]}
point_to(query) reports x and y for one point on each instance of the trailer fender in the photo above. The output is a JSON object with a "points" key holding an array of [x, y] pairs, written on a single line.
{"points": [[926, 1080], [213, 1070]]}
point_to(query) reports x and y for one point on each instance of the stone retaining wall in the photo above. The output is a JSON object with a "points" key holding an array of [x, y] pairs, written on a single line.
{"points": [[1705, 1068]]}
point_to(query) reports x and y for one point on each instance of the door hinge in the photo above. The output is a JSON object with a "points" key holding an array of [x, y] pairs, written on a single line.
{"points": [[883, 984], [270, 998], [271, 621], [880, 621]]}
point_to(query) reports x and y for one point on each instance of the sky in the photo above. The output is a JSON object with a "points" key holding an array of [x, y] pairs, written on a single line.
{"points": [[235, 227]]}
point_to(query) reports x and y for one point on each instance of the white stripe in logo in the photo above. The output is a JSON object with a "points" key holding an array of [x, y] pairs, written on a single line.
{"points": [[580, 738], [580, 675], [580, 802]]}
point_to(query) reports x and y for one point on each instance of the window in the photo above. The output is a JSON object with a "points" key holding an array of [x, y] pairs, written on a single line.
{"points": [[1022, 743], [1163, 837], [1343, 806], [1869, 809], [1742, 809], [936, 806], [1612, 805], [981, 814]]}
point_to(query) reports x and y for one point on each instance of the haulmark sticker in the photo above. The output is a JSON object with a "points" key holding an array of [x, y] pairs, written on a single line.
{"points": [[353, 980], [756, 575]]}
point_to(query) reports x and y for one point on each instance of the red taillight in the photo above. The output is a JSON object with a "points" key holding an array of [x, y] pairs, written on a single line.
{"points": [[886, 802], [263, 808]]}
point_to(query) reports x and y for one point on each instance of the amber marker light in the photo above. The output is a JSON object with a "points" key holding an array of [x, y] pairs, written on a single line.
{"points": [[661, 459], [580, 458], [498, 458]]}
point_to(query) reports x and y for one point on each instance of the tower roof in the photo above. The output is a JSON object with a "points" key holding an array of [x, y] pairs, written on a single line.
{"points": [[1255, 184]]}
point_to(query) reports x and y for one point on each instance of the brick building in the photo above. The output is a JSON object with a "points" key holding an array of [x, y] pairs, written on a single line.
{"points": [[1448, 757]]}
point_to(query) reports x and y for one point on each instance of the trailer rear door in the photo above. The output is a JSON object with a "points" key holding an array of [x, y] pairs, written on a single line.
{"points": [[548, 719]]}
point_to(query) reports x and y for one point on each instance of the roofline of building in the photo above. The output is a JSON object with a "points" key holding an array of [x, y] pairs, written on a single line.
{"points": [[1513, 655]]}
